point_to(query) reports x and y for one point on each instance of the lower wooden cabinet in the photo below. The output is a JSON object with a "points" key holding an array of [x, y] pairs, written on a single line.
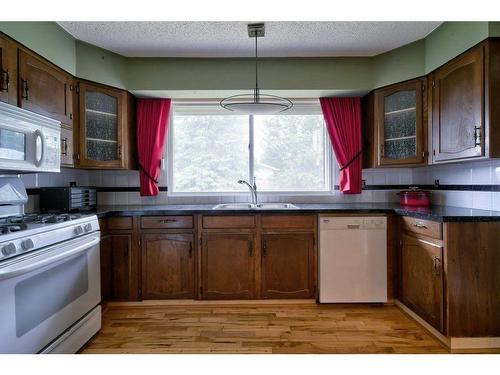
{"points": [[422, 279], [117, 268], [227, 266], [287, 265], [167, 266]]}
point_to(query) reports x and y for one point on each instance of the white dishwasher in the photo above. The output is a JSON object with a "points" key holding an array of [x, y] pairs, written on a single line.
{"points": [[352, 259]]}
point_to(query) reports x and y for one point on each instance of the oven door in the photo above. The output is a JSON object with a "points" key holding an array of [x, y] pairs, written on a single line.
{"points": [[43, 294]]}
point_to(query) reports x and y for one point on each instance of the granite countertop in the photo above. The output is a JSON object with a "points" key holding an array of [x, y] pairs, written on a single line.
{"points": [[435, 213]]}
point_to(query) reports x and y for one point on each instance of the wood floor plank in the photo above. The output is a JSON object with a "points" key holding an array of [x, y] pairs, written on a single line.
{"points": [[259, 328]]}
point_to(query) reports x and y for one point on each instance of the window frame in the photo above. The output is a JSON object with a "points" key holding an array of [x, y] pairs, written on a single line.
{"points": [[301, 106]]}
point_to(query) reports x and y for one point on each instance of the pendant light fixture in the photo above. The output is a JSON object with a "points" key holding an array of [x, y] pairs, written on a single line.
{"points": [[256, 103]]}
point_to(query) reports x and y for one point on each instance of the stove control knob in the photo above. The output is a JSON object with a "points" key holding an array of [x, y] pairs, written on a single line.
{"points": [[78, 230], [9, 249], [27, 244], [87, 227]]}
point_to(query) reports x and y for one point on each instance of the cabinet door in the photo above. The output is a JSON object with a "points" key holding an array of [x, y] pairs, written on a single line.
{"points": [[8, 71], [167, 266], [422, 279], [399, 115], [116, 267], [100, 126], [45, 89], [66, 147], [458, 108], [287, 265], [227, 270]]}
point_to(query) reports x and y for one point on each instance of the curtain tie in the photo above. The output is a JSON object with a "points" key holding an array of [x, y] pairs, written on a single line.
{"points": [[147, 174], [358, 154]]}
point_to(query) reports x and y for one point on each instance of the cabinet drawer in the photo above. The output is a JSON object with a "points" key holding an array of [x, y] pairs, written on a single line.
{"points": [[425, 227], [288, 221], [161, 222], [119, 223], [216, 222]]}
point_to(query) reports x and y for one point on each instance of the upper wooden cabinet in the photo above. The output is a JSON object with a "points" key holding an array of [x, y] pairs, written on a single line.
{"points": [[458, 108], [393, 122], [8, 70], [44, 88], [465, 101], [106, 127]]}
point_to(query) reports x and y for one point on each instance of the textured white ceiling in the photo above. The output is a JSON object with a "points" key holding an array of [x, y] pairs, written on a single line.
{"points": [[230, 39]]}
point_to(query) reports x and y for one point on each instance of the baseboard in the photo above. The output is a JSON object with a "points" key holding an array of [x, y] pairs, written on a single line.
{"points": [[192, 302], [453, 343], [458, 343], [433, 331]]}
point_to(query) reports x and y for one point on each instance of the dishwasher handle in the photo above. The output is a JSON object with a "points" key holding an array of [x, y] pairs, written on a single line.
{"points": [[353, 226]]}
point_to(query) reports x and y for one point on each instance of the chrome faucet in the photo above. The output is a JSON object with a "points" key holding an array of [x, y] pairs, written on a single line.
{"points": [[253, 189]]}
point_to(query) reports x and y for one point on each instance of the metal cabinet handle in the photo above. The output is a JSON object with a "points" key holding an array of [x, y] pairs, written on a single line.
{"points": [[4, 78], [477, 136], [250, 248], [264, 248], [420, 225], [119, 151], [25, 94], [437, 266], [190, 249], [166, 221], [65, 146], [126, 250]]}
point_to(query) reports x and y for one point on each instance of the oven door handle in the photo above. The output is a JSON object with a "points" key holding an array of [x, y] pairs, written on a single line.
{"points": [[32, 264]]}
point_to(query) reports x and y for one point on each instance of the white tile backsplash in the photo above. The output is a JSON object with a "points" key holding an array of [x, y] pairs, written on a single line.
{"points": [[482, 173]]}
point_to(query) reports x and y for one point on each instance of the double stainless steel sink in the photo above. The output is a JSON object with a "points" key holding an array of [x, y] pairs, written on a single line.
{"points": [[251, 206]]}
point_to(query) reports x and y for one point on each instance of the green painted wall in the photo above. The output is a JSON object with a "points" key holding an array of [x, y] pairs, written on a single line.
{"points": [[229, 74], [99, 65], [45, 38], [494, 28], [451, 39], [398, 65], [348, 74]]}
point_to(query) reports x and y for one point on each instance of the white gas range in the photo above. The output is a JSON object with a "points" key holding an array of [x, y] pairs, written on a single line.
{"points": [[49, 277]]}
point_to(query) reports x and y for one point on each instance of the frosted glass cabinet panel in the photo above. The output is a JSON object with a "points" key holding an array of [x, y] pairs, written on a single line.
{"points": [[103, 127], [399, 113]]}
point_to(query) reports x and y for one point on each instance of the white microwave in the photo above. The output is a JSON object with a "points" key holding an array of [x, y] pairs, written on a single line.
{"points": [[28, 142]]}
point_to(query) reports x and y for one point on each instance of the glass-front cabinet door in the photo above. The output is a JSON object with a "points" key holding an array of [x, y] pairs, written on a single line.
{"points": [[399, 118], [100, 126]]}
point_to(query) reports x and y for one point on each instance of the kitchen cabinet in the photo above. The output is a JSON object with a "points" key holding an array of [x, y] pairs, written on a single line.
{"points": [[288, 265], [394, 125], [227, 265], [465, 114], [44, 88], [458, 107], [120, 261], [116, 267], [8, 70], [422, 278], [167, 266], [106, 127]]}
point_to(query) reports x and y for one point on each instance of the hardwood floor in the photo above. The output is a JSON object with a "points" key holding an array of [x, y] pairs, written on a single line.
{"points": [[269, 327]]}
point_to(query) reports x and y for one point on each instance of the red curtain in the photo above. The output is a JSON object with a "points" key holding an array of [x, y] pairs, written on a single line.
{"points": [[343, 121], [152, 123]]}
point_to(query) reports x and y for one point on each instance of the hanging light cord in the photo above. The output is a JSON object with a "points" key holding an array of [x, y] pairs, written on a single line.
{"points": [[256, 92]]}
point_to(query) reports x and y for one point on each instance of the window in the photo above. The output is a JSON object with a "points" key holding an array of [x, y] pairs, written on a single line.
{"points": [[210, 150]]}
